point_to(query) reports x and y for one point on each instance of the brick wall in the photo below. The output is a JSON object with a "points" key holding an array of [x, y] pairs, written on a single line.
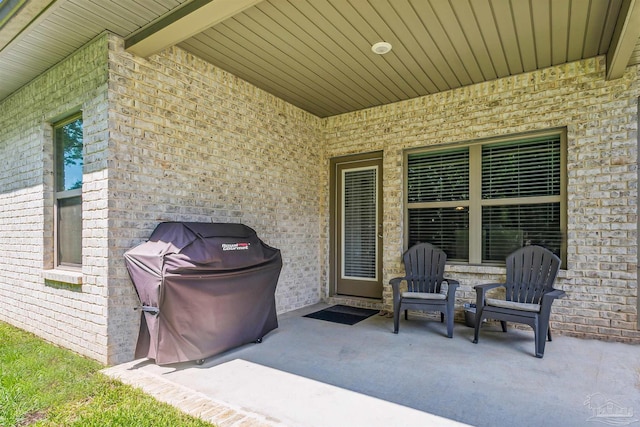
{"points": [[174, 138], [601, 121], [73, 316], [191, 142], [171, 138]]}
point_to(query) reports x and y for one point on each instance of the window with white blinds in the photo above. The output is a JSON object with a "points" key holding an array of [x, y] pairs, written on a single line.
{"points": [[359, 221], [481, 201]]}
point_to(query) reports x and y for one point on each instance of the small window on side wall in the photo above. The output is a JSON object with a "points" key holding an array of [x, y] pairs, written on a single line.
{"points": [[68, 152]]}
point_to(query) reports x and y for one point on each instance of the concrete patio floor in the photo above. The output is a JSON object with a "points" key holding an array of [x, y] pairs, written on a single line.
{"points": [[311, 372]]}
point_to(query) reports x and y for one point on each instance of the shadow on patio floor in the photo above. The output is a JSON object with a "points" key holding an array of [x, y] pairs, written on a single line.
{"points": [[311, 372]]}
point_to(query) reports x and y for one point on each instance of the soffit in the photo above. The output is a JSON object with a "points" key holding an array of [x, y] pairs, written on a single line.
{"points": [[316, 53], [44, 32]]}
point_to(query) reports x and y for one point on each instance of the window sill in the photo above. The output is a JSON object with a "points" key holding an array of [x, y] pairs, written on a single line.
{"points": [[479, 269], [73, 277], [486, 269]]}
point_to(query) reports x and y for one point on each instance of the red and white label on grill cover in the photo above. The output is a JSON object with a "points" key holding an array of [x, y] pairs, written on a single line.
{"points": [[235, 246]]}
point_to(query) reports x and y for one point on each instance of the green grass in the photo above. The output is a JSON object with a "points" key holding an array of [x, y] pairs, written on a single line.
{"points": [[44, 385]]}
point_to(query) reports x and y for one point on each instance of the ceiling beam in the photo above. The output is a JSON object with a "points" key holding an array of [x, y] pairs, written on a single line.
{"points": [[625, 37], [187, 21]]}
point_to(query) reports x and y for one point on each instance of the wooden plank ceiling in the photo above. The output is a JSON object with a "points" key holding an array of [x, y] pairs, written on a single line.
{"points": [[317, 54]]}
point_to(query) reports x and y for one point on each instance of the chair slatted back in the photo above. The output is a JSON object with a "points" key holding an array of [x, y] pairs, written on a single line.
{"points": [[531, 272], [424, 268]]}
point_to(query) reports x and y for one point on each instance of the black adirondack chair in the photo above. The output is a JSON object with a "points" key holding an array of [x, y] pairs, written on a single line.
{"points": [[531, 273], [424, 271]]}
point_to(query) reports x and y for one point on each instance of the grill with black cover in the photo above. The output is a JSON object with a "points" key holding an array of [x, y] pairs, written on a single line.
{"points": [[204, 288]]}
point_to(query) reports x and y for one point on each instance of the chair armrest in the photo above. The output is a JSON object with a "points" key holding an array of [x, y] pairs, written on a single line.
{"points": [[452, 282], [395, 282], [549, 297], [556, 293], [452, 285], [481, 291], [485, 287]]}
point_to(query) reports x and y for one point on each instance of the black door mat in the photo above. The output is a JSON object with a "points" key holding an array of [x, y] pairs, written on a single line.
{"points": [[342, 314]]}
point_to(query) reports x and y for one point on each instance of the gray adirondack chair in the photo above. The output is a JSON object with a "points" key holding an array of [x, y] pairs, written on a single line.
{"points": [[424, 271], [529, 293]]}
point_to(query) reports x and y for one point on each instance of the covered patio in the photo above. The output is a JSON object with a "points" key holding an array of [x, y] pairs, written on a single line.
{"points": [[252, 111], [312, 372]]}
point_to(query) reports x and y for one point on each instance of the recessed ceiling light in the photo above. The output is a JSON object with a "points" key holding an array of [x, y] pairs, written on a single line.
{"points": [[381, 48]]}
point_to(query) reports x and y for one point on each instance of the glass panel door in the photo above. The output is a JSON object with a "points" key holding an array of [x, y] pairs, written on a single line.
{"points": [[358, 234], [359, 224]]}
